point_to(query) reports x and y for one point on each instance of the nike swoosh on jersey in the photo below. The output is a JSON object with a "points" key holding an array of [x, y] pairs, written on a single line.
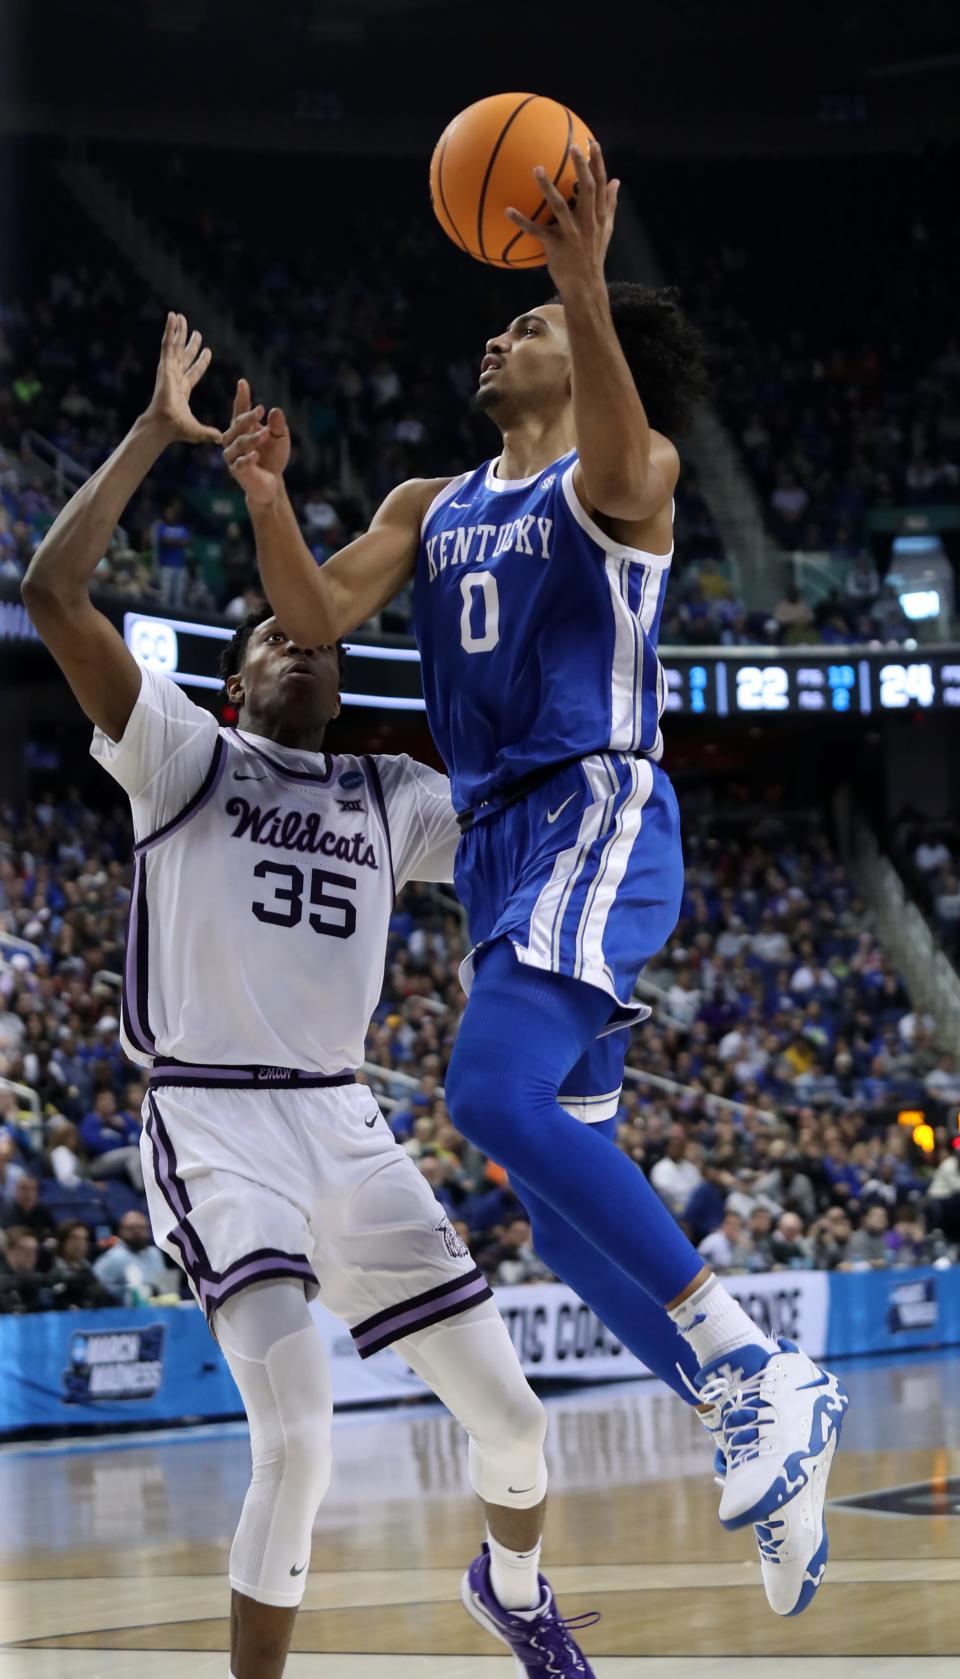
{"points": [[553, 814], [460, 504], [296, 1571], [371, 1122]]}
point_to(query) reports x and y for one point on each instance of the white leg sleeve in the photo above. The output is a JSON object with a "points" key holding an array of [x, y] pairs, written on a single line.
{"points": [[278, 1362], [470, 1363]]}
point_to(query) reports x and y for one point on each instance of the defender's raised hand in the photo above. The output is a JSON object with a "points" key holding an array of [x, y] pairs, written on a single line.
{"points": [[183, 362], [576, 241], [256, 451]]}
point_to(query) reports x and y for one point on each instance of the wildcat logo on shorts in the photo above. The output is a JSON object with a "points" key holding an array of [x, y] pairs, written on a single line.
{"points": [[114, 1364], [454, 1244]]}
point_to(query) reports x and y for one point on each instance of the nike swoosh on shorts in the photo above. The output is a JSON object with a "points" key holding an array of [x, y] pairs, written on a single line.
{"points": [[553, 814]]}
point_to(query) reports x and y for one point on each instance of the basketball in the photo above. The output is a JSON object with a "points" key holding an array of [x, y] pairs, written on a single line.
{"points": [[483, 164]]}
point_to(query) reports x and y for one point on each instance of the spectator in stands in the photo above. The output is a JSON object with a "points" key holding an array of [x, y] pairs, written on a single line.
{"points": [[513, 1261], [943, 1082], [791, 1251], [112, 1140], [862, 582], [832, 1236], [171, 547], [730, 1247], [26, 1211], [23, 1287], [704, 1210], [868, 1245], [132, 1267], [73, 1284], [10, 1171], [760, 1227], [676, 1175], [794, 617], [66, 1158]]}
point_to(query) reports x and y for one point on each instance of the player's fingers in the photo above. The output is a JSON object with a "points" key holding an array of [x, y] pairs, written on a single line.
{"points": [[598, 167], [555, 200], [181, 332], [195, 373], [243, 423], [586, 184], [613, 193], [241, 401], [166, 343], [276, 422], [211, 434], [540, 230], [190, 349], [233, 452]]}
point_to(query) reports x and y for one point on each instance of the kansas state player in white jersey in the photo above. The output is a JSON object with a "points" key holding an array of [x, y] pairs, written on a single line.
{"points": [[538, 589], [264, 879]]}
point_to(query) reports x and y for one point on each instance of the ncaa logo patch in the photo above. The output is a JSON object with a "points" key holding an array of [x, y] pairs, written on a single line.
{"points": [[351, 778]]}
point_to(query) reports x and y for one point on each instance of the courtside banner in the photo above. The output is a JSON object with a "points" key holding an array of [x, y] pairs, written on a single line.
{"points": [[557, 1337]]}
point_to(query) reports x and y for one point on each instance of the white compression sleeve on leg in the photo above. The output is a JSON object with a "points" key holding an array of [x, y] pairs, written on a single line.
{"points": [[279, 1364], [471, 1364]]}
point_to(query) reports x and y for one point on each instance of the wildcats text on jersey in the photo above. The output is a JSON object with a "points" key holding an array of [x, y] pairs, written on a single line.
{"points": [[296, 830]]}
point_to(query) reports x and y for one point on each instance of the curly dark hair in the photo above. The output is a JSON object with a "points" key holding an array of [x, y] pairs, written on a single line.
{"points": [[232, 657], [664, 352]]}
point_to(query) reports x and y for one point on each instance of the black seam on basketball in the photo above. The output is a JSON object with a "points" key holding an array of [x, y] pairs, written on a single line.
{"points": [[520, 234], [443, 197], [528, 100]]}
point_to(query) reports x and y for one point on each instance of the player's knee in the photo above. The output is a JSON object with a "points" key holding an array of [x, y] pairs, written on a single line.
{"points": [[301, 1447], [492, 1097]]}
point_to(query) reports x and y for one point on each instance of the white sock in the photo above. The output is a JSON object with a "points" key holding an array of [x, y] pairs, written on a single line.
{"points": [[713, 1323], [513, 1575]]}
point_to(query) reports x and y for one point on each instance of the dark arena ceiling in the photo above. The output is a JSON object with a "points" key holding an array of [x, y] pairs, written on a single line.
{"points": [[665, 77]]}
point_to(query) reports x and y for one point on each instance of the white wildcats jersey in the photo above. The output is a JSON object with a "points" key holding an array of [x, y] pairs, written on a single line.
{"points": [[263, 885]]}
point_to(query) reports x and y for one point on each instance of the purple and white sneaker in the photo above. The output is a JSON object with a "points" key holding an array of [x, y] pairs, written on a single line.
{"points": [[539, 1638]]}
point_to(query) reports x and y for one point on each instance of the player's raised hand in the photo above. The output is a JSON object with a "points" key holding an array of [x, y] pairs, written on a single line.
{"points": [[576, 240], [183, 362], [256, 450]]}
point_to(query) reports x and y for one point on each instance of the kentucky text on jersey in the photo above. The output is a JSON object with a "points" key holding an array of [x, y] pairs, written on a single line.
{"points": [[537, 631], [470, 543]]}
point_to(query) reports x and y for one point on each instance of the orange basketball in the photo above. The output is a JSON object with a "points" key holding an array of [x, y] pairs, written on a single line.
{"points": [[483, 163]]}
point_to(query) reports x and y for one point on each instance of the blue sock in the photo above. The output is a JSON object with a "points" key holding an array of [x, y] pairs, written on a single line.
{"points": [[621, 1304], [522, 1032]]}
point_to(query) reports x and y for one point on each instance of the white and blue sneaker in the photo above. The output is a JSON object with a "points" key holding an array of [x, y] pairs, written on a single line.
{"points": [[793, 1545], [775, 1420]]}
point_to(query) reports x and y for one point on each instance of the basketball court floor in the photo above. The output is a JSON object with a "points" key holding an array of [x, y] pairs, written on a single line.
{"points": [[113, 1554]]}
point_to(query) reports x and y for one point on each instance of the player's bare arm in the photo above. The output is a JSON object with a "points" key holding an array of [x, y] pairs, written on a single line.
{"points": [[626, 473], [318, 604], [56, 589]]}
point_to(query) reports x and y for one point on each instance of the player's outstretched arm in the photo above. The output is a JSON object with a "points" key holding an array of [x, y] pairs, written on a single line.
{"points": [[625, 471], [316, 605], [56, 589]]}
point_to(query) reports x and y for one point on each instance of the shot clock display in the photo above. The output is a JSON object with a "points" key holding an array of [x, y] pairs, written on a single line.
{"points": [[707, 682]]}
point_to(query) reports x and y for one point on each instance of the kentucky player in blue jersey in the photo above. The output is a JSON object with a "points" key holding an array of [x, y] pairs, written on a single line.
{"points": [[538, 589]]}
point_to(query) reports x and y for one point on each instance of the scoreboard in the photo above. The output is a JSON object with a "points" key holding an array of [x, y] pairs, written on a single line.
{"points": [[711, 682], [848, 681]]}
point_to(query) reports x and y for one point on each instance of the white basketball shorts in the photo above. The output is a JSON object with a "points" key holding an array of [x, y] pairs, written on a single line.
{"points": [[256, 1173]]}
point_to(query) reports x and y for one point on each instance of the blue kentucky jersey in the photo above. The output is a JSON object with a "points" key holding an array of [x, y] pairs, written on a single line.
{"points": [[537, 631]]}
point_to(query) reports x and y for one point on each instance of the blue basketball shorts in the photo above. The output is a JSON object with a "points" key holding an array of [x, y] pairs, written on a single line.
{"points": [[584, 876]]}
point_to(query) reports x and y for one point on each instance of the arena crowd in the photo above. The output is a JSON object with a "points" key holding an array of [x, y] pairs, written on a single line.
{"points": [[762, 1099]]}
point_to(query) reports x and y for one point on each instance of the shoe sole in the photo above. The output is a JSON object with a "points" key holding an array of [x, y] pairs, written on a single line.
{"points": [[815, 1570], [831, 1408], [475, 1608]]}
